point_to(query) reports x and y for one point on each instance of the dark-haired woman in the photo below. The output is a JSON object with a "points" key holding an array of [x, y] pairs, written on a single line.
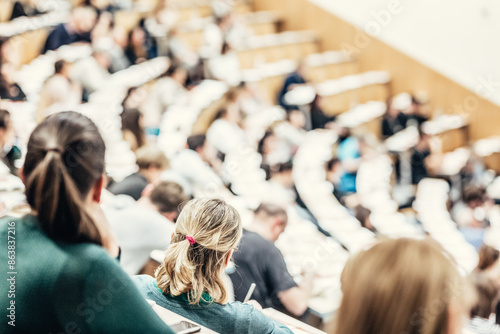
{"points": [[62, 277]]}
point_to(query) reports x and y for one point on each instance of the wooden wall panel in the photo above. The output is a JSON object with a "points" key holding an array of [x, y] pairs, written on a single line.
{"points": [[408, 75]]}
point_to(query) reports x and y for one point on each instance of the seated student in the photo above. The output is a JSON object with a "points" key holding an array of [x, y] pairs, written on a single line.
{"points": [[133, 128], [424, 158], [151, 162], [258, 261], [77, 29], [394, 120], [67, 280], [58, 92], [92, 72], [194, 164], [401, 286], [191, 281], [296, 78], [319, 120], [481, 321], [136, 51], [225, 133], [333, 175], [143, 226], [290, 132], [415, 113], [168, 90]]}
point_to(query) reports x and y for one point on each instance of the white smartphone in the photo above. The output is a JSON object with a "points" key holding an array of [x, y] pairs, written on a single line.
{"points": [[185, 327]]}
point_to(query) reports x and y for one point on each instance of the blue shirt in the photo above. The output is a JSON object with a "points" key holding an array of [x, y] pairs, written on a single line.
{"points": [[348, 150], [229, 318]]}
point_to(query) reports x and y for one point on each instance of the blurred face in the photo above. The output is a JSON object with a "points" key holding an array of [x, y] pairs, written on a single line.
{"points": [[84, 20], [180, 76], [297, 119], [270, 144], [302, 70], [120, 37], [103, 60], [233, 113], [138, 37]]}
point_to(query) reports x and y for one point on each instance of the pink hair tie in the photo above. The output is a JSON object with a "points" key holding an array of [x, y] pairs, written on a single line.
{"points": [[190, 239]]}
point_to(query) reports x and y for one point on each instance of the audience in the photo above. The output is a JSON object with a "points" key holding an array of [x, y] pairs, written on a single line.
{"points": [[151, 162], [66, 258], [191, 281], [224, 138], [143, 226], [387, 290], [275, 287]]}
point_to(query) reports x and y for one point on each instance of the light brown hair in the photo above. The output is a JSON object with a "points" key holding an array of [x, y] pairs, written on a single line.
{"points": [[487, 257], [398, 286], [151, 155], [199, 268], [167, 196]]}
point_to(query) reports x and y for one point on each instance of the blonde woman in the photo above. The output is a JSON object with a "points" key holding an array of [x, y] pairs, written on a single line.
{"points": [[401, 286], [191, 281]]}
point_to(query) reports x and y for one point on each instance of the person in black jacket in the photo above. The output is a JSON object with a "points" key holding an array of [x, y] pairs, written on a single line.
{"points": [[78, 29], [393, 120]]}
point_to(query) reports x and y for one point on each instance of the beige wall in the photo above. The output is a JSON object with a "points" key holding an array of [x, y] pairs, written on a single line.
{"points": [[408, 74]]}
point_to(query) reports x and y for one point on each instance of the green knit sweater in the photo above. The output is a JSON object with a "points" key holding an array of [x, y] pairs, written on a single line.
{"points": [[65, 288]]}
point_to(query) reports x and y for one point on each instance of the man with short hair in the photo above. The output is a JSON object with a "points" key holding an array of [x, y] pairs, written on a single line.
{"points": [[146, 225], [193, 165], [151, 162], [258, 261]]}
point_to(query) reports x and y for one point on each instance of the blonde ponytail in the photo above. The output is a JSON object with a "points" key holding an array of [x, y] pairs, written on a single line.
{"points": [[197, 267]]}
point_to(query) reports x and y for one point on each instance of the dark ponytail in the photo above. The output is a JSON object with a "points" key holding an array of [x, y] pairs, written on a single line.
{"points": [[65, 158]]}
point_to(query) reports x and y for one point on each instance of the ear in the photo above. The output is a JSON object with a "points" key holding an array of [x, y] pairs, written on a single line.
{"points": [[170, 215], [229, 255], [148, 190], [97, 189], [276, 222]]}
